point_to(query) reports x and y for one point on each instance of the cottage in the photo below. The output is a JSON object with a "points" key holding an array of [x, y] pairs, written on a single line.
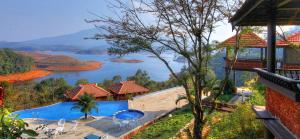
{"points": [[92, 89], [123, 89]]}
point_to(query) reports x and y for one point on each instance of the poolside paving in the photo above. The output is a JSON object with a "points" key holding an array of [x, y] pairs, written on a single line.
{"points": [[153, 105]]}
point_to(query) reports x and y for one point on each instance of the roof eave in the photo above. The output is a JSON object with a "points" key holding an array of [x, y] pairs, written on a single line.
{"points": [[246, 8]]}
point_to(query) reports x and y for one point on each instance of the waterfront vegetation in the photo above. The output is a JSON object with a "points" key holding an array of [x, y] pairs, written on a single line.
{"points": [[11, 62]]}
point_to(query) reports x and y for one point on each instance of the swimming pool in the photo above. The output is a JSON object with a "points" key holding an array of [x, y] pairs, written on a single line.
{"points": [[63, 110], [129, 114]]}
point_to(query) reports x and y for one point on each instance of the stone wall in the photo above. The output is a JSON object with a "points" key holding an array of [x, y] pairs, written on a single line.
{"points": [[287, 110]]}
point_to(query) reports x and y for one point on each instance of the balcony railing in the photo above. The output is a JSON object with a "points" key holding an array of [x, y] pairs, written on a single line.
{"points": [[286, 86], [245, 64]]}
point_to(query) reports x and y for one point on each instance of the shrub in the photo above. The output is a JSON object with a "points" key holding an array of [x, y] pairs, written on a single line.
{"points": [[242, 123], [11, 127], [229, 87]]}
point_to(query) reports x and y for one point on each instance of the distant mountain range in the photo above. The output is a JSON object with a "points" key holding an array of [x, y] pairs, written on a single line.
{"points": [[71, 42]]}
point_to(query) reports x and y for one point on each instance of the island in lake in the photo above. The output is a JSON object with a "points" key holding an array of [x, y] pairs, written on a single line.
{"points": [[45, 64], [121, 60], [61, 62]]}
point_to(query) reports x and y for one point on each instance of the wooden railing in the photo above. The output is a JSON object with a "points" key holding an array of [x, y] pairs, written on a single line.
{"points": [[245, 64], [292, 74]]}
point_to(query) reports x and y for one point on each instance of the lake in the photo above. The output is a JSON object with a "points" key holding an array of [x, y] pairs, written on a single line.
{"points": [[155, 68]]}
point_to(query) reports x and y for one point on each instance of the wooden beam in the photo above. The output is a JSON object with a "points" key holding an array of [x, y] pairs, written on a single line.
{"points": [[283, 3], [247, 12]]}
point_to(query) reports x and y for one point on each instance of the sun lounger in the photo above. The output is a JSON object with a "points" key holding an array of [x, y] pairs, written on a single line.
{"points": [[61, 122]]}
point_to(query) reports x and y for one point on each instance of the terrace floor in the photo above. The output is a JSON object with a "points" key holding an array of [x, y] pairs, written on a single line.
{"points": [[154, 105]]}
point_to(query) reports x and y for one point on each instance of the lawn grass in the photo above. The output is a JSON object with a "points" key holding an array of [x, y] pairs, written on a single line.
{"points": [[167, 127]]}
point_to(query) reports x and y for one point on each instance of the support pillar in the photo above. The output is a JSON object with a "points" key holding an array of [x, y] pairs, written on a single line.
{"points": [[271, 49]]}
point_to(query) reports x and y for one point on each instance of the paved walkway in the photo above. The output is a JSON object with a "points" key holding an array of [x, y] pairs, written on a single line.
{"points": [[152, 104]]}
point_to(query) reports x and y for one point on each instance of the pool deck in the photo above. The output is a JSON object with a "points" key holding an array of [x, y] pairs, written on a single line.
{"points": [[153, 105]]}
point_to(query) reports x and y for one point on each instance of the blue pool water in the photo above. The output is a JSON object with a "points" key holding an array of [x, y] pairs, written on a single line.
{"points": [[63, 110], [129, 114]]}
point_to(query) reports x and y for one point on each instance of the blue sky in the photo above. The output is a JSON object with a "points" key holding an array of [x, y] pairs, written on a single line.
{"points": [[32, 19]]}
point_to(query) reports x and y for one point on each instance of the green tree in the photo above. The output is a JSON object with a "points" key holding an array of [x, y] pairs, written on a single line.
{"points": [[52, 89], [86, 103], [11, 127], [117, 79], [11, 62], [106, 83], [82, 81], [140, 77]]}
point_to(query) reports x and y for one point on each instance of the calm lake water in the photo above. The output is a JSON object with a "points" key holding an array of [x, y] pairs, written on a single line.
{"points": [[155, 68]]}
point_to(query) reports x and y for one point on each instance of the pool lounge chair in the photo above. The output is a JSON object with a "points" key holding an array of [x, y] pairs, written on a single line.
{"points": [[61, 122]]}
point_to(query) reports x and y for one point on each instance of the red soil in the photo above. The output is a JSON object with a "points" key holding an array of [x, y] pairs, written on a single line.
{"points": [[19, 77], [120, 60]]}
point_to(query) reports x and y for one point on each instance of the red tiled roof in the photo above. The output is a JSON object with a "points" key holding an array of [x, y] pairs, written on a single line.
{"points": [[293, 39], [127, 87], [248, 39], [91, 89]]}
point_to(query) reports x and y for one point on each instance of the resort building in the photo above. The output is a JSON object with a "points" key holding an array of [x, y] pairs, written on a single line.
{"points": [[92, 89], [123, 89], [281, 113]]}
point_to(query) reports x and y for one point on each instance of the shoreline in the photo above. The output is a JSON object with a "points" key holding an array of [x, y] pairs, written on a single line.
{"points": [[25, 76]]}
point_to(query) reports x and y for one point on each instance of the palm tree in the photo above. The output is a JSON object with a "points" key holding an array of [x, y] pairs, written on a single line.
{"points": [[85, 104]]}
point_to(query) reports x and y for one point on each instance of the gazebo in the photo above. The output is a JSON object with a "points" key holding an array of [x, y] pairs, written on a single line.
{"points": [[281, 115], [257, 46], [248, 40]]}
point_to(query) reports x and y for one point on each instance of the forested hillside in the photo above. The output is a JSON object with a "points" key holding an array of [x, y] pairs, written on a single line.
{"points": [[11, 62]]}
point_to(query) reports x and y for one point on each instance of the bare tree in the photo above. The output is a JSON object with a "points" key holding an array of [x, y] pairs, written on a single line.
{"points": [[180, 26]]}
